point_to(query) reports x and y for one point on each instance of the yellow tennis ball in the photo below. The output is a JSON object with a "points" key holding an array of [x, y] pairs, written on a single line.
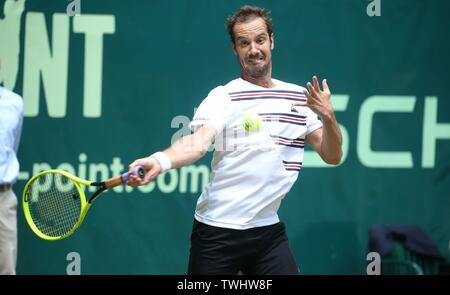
{"points": [[252, 122]]}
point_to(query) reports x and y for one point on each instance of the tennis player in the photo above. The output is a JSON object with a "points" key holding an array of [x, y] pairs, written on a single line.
{"points": [[236, 226]]}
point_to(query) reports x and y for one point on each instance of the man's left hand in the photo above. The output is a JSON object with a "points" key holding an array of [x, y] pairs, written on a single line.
{"points": [[319, 101]]}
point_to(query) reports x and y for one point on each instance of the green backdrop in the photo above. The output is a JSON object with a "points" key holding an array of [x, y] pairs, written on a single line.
{"points": [[122, 79]]}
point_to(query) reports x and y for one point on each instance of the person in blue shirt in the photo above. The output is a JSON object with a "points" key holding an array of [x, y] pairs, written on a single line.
{"points": [[11, 118]]}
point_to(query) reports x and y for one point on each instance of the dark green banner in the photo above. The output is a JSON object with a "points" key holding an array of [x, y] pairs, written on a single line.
{"points": [[121, 80]]}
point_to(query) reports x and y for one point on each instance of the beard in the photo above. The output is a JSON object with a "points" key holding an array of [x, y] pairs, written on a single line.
{"points": [[257, 70]]}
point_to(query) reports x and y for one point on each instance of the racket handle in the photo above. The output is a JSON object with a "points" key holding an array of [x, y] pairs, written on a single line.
{"points": [[121, 179], [137, 170]]}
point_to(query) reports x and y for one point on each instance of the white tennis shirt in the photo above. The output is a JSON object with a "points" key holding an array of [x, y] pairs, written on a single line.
{"points": [[252, 171]]}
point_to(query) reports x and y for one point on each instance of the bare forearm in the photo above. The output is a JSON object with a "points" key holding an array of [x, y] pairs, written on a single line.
{"points": [[184, 152], [191, 148], [331, 146]]}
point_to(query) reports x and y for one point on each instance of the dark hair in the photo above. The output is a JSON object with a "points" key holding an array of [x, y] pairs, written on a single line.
{"points": [[247, 13]]}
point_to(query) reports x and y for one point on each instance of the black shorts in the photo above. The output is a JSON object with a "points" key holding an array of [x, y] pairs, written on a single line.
{"points": [[257, 251]]}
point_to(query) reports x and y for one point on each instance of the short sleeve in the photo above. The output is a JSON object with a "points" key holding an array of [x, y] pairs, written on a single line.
{"points": [[215, 110], [312, 122]]}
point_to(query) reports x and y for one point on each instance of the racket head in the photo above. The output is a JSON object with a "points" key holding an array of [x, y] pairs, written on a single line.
{"points": [[54, 204]]}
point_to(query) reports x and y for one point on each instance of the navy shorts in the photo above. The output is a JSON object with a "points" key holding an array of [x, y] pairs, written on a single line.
{"points": [[257, 251]]}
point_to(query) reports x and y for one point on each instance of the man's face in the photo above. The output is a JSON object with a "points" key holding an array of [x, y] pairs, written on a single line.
{"points": [[253, 46]]}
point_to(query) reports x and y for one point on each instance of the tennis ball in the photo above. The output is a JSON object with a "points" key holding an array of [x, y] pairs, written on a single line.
{"points": [[252, 122]]}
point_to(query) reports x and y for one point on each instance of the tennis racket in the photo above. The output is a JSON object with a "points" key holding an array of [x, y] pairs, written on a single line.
{"points": [[55, 204]]}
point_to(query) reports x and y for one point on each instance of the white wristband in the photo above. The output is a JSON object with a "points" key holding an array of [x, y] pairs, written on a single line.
{"points": [[163, 160]]}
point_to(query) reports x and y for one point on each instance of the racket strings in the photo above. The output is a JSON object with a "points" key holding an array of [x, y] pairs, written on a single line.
{"points": [[54, 203]]}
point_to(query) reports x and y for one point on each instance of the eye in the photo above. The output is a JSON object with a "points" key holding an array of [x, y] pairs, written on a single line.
{"points": [[243, 43], [261, 40]]}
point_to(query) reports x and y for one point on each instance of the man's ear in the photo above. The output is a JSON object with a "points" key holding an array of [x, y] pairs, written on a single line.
{"points": [[272, 45], [233, 47]]}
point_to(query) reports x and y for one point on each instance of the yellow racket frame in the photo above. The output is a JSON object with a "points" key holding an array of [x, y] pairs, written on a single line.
{"points": [[84, 204]]}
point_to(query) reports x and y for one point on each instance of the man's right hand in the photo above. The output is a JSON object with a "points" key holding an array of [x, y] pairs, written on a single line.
{"points": [[151, 167]]}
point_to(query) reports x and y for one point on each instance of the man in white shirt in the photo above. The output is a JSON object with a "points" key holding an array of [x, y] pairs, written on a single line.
{"points": [[11, 118], [236, 226]]}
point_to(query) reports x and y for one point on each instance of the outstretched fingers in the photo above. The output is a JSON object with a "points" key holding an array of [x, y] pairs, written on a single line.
{"points": [[325, 86], [316, 83]]}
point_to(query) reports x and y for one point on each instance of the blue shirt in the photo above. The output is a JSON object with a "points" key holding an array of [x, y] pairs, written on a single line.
{"points": [[11, 118]]}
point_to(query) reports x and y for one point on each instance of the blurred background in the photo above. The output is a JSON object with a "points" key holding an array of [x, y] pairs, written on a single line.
{"points": [[122, 79]]}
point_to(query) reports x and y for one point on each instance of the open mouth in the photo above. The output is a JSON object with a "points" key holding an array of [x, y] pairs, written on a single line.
{"points": [[256, 60]]}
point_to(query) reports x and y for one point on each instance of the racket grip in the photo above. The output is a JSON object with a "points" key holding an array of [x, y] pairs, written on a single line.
{"points": [[137, 170]]}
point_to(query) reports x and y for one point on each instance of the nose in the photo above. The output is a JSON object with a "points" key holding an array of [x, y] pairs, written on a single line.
{"points": [[254, 50]]}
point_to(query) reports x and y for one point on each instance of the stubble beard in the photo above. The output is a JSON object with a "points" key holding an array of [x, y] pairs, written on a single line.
{"points": [[255, 71]]}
